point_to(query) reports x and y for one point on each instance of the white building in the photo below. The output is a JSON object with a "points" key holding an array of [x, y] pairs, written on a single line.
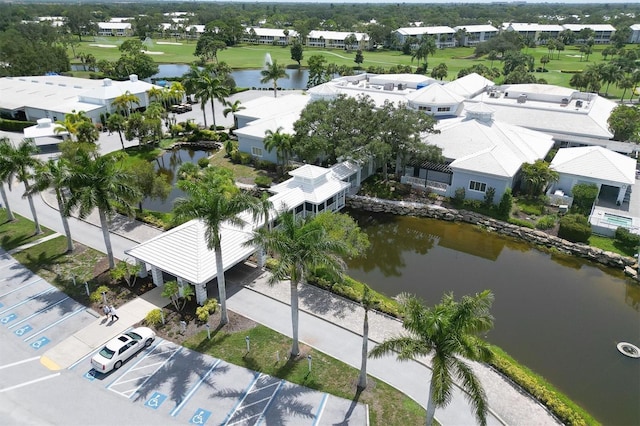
{"points": [[336, 40], [533, 31], [269, 36], [601, 32], [115, 29], [443, 36], [475, 34], [635, 33]]}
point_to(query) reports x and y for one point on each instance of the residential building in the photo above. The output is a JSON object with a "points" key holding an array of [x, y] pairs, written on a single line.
{"points": [[533, 31], [270, 36], [336, 40], [601, 32], [443, 36], [115, 29], [475, 34], [635, 33]]}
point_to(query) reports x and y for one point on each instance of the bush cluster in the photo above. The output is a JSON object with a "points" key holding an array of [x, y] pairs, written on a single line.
{"points": [[14, 125], [546, 222], [209, 307], [96, 295], [263, 181], [154, 317], [626, 239], [241, 157], [575, 228]]}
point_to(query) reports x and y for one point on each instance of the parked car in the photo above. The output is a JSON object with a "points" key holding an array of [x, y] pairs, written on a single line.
{"points": [[119, 349]]}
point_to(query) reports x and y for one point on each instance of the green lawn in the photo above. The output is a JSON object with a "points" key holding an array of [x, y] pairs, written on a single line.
{"points": [[252, 56], [387, 405], [19, 232]]}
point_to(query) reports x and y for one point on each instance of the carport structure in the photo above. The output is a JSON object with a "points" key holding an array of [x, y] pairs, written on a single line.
{"points": [[183, 253]]}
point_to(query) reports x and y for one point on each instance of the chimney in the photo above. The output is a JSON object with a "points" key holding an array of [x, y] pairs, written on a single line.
{"points": [[106, 82], [133, 78]]}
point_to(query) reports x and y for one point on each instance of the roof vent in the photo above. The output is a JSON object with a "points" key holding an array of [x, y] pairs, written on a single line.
{"points": [[564, 101], [579, 103], [522, 99], [133, 77], [388, 86], [106, 82]]}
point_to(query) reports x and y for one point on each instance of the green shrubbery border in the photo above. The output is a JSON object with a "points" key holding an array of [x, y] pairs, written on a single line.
{"points": [[14, 125]]}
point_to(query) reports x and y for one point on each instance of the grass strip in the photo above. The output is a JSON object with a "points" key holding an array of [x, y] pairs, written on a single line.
{"points": [[19, 232]]}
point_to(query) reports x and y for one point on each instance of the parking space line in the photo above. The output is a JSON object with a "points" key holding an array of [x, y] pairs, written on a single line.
{"points": [[133, 380], [189, 394], [266, 407], [148, 365], [323, 403], [256, 402], [258, 389], [39, 311], [29, 382], [29, 299], [243, 420], [19, 362], [64, 318], [19, 288], [246, 392]]}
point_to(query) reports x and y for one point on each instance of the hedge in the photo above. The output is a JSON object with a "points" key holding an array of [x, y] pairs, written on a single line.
{"points": [[14, 125]]}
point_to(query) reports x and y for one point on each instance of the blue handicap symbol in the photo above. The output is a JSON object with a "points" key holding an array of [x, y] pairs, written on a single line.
{"points": [[90, 375], [156, 400], [37, 344], [8, 318], [23, 330], [200, 417]]}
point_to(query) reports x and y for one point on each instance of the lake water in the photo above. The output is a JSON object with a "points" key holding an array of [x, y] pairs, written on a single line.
{"points": [[558, 315]]}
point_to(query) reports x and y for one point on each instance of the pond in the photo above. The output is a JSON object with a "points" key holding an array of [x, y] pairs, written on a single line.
{"points": [[168, 164], [560, 316]]}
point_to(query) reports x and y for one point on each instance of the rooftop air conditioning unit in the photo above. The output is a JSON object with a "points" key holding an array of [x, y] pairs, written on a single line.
{"points": [[564, 101], [400, 86], [388, 86], [579, 103], [522, 99]]}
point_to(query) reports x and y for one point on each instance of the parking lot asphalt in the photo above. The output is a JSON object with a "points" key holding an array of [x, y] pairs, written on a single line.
{"points": [[41, 326]]}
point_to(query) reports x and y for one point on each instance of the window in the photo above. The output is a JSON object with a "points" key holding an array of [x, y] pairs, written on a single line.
{"points": [[477, 186], [256, 151], [424, 108], [444, 109]]}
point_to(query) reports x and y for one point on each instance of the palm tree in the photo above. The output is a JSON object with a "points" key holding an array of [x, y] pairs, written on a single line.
{"points": [[56, 175], [301, 245], [214, 201], [20, 162], [206, 86], [125, 102], [71, 123], [100, 183], [233, 108], [282, 142], [368, 303], [426, 47], [273, 72], [117, 123], [5, 169], [447, 332]]}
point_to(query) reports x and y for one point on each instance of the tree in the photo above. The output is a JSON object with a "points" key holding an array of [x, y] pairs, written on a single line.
{"points": [[460, 36], [350, 41], [56, 175], [448, 331], [208, 47], [368, 302], [297, 52], [233, 108], [117, 123], [300, 245], [317, 70], [624, 122], [149, 183], [100, 183], [71, 123], [19, 162], [544, 60], [359, 59], [124, 103], [273, 72], [426, 47], [126, 271], [440, 71], [214, 199], [5, 173], [283, 144], [206, 84], [625, 84], [537, 176], [178, 295]]}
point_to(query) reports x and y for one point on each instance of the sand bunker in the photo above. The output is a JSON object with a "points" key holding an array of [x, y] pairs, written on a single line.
{"points": [[152, 53], [168, 42], [103, 45]]}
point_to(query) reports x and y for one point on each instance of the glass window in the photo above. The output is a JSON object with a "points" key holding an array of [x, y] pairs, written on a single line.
{"points": [[477, 186], [256, 151]]}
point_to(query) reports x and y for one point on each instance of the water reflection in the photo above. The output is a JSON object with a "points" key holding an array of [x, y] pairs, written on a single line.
{"points": [[557, 314]]}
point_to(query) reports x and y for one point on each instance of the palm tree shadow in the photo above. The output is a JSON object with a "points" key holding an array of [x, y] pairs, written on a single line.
{"points": [[352, 407]]}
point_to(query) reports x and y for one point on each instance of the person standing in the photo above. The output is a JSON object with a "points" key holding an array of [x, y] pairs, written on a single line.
{"points": [[114, 313], [106, 310]]}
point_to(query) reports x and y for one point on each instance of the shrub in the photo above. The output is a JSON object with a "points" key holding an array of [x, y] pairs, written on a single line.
{"points": [[154, 317], [546, 222], [96, 295], [458, 197], [489, 196], [506, 203], [203, 162], [521, 222], [575, 228], [472, 204], [584, 194], [626, 238], [202, 313], [241, 157], [14, 125], [263, 181]]}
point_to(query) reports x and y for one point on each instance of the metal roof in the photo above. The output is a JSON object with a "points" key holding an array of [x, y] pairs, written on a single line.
{"points": [[595, 162]]}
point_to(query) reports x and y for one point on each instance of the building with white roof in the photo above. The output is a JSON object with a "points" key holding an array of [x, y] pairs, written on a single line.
{"points": [[183, 251], [475, 34], [533, 31], [601, 32], [115, 29], [443, 36], [269, 36], [480, 153], [53, 96], [336, 40], [635, 33]]}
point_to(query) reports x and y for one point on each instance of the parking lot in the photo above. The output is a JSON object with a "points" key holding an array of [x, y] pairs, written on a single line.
{"points": [[198, 389], [164, 380]]}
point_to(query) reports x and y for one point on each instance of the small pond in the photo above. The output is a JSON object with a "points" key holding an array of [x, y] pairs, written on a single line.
{"points": [[168, 164]]}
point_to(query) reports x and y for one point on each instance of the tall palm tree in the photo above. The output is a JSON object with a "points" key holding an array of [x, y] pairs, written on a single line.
{"points": [[19, 162], [206, 85], [273, 72], [301, 245], [100, 183], [368, 303], [282, 142], [215, 200], [56, 175], [125, 102], [71, 123], [448, 332], [5, 172], [117, 123], [426, 47]]}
